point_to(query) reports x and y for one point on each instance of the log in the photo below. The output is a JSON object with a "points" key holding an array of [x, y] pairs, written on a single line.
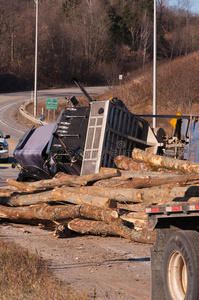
{"points": [[68, 180], [151, 195], [127, 163], [97, 213], [181, 180], [63, 179], [145, 195], [6, 192], [57, 213], [39, 212], [114, 228], [51, 196], [27, 199], [165, 162], [116, 182], [115, 194], [130, 195], [91, 227], [104, 173], [75, 196], [131, 207], [145, 236]]}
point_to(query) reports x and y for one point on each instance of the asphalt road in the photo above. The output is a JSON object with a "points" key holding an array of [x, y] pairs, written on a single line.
{"points": [[10, 102]]}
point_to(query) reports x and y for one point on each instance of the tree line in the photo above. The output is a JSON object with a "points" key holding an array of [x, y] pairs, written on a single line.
{"points": [[94, 40]]}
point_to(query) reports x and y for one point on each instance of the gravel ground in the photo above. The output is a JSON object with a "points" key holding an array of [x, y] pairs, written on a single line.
{"points": [[104, 267]]}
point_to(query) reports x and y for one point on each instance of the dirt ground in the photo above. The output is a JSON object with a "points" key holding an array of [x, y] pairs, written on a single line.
{"points": [[103, 267]]}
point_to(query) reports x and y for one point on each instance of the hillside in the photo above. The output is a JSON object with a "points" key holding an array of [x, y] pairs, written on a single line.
{"points": [[177, 88], [92, 40]]}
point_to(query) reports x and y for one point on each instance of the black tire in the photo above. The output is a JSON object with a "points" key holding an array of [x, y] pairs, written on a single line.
{"points": [[181, 266]]}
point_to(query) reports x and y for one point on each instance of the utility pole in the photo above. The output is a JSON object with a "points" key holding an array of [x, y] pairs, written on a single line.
{"points": [[36, 43], [154, 66]]}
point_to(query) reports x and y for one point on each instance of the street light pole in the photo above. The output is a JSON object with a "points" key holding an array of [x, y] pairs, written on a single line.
{"points": [[154, 66], [36, 42]]}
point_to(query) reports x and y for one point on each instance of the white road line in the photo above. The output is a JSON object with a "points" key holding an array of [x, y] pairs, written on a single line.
{"points": [[6, 124]]}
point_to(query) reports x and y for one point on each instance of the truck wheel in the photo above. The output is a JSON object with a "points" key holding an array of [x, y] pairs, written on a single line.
{"points": [[181, 266]]}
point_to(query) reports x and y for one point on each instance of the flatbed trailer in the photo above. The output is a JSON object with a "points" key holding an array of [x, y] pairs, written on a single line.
{"points": [[175, 254]]}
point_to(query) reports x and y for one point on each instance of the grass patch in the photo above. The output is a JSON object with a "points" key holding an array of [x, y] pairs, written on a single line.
{"points": [[26, 276]]}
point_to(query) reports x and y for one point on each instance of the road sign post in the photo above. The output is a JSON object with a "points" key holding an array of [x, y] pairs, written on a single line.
{"points": [[54, 104], [51, 104]]}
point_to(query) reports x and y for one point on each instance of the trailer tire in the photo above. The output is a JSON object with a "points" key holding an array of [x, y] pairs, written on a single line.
{"points": [[181, 266]]}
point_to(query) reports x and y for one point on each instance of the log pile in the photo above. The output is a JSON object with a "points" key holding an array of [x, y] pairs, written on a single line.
{"points": [[111, 202]]}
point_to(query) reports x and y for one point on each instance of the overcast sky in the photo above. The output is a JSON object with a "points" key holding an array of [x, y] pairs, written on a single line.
{"points": [[194, 4]]}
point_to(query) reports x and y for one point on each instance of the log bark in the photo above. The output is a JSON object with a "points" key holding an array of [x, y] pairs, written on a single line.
{"points": [[91, 227], [116, 182], [127, 163], [181, 180], [76, 196], [57, 213], [39, 212], [27, 199], [145, 236], [115, 194], [165, 162], [104, 173], [57, 196], [145, 195], [63, 179], [151, 195], [6, 192], [116, 228], [68, 180], [92, 212]]}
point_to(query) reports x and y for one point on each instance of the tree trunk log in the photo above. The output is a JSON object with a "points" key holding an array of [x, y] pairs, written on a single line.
{"points": [[63, 179], [57, 196], [57, 212], [39, 212], [28, 199], [75, 196], [116, 182], [165, 162], [91, 227], [138, 183], [6, 192], [104, 173], [69, 180], [127, 163], [115, 194]]}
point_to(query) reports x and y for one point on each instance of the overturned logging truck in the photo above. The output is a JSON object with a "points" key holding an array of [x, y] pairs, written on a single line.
{"points": [[82, 140], [87, 138]]}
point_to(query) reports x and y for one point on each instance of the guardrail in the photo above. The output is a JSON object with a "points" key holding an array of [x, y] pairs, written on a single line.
{"points": [[27, 115]]}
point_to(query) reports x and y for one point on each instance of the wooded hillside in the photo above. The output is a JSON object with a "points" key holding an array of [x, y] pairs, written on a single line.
{"points": [[95, 40]]}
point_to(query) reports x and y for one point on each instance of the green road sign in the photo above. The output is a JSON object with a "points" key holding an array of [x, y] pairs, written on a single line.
{"points": [[48, 103], [51, 104], [54, 104]]}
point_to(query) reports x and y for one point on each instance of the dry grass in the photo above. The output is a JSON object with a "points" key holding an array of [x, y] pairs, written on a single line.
{"points": [[26, 276]]}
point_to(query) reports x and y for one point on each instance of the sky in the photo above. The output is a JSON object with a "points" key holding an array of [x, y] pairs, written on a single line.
{"points": [[194, 4]]}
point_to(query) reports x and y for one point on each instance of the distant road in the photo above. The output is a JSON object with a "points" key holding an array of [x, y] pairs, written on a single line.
{"points": [[10, 102]]}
